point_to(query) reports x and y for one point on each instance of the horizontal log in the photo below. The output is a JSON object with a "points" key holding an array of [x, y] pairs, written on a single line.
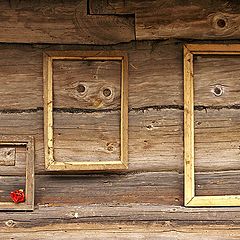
{"points": [[160, 19], [111, 197], [155, 138], [150, 188], [165, 230], [65, 22], [110, 189], [155, 78]]}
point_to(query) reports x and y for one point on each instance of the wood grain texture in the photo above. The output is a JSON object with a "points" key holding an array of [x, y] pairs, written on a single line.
{"points": [[155, 137], [152, 189], [141, 196], [162, 230], [95, 76], [161, 19], [7, 156], [65, 22], [164, 86]]}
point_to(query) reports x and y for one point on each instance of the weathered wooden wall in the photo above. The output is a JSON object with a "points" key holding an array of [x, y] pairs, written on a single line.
{"points": [[145, 201]]}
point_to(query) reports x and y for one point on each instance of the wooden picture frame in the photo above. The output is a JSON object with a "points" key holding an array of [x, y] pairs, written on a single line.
{"points": [[190, 199], [50, 162], [28, 142]]}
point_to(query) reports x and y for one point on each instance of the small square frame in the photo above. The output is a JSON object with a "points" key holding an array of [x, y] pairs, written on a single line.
{"points": [[50, 163], [28, 142], [190, 199]]}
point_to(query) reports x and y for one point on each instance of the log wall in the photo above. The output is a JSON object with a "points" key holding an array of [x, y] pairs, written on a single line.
{"points": [[145, 201]]}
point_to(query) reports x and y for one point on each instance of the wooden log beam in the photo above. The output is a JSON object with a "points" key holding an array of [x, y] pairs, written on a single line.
{"points": [[156, 230], [162, 190], [155, 138], [60, 22], [163, 87], [52, 216], [161, 19], [155, 106]]}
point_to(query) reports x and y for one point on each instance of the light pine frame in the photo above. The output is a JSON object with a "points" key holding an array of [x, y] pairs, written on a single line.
{"points": [[50, 163], [28, 143], [190, 199]]}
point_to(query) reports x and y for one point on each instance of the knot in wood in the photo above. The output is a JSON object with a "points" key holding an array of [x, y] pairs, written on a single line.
{"points": [[218, 90], [219, 21], [10, 223]]}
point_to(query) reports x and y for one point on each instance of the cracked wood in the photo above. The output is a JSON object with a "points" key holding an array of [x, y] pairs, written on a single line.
{"points": [[164, 19], [65, 22]]}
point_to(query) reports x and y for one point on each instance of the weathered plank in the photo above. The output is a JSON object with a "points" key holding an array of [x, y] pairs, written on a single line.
{"points": [[164, 86], [216, 80], [161, 19], [19, 166], [132, 197], [52, 216], [217, 135], [65, 22], [87, 84], [155, 138], [7, 156], [92, 137], [112, 190], [165, 230]]}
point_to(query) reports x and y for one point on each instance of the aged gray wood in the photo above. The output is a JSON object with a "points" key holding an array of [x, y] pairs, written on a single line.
{"points": [[65, 22], [155, 138], [164, 86], [7, 156], [162, 189], [161, 19], [87, 125], [81, 84], [164, 230]]}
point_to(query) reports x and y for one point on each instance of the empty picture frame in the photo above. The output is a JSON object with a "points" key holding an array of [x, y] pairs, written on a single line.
{"points": [[28, 143], [190, 199], [51, 163]]}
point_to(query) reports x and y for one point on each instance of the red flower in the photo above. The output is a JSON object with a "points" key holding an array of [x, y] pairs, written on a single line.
{"points": [[18, 196]]}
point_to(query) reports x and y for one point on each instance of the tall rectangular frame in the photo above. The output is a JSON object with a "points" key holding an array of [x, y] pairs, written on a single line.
{"points": [[50, 163], [190, 199], [28, 142]]}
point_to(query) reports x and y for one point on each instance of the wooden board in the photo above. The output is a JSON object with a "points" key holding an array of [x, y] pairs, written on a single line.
{"points": [[65, 22], [152, 188], [94, 76], [165, 230], [147, 196], [7, 156], [155, 138], [162, 88], [161, 19]]}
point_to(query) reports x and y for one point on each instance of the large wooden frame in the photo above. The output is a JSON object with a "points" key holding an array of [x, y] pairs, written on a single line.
{"points": [[28, 142], [50, 163], [189, 182]]}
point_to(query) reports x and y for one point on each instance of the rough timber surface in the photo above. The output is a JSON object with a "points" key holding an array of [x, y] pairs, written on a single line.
{"points": [[164, 19], [163, 230], [66, 22], [151, 190]]}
